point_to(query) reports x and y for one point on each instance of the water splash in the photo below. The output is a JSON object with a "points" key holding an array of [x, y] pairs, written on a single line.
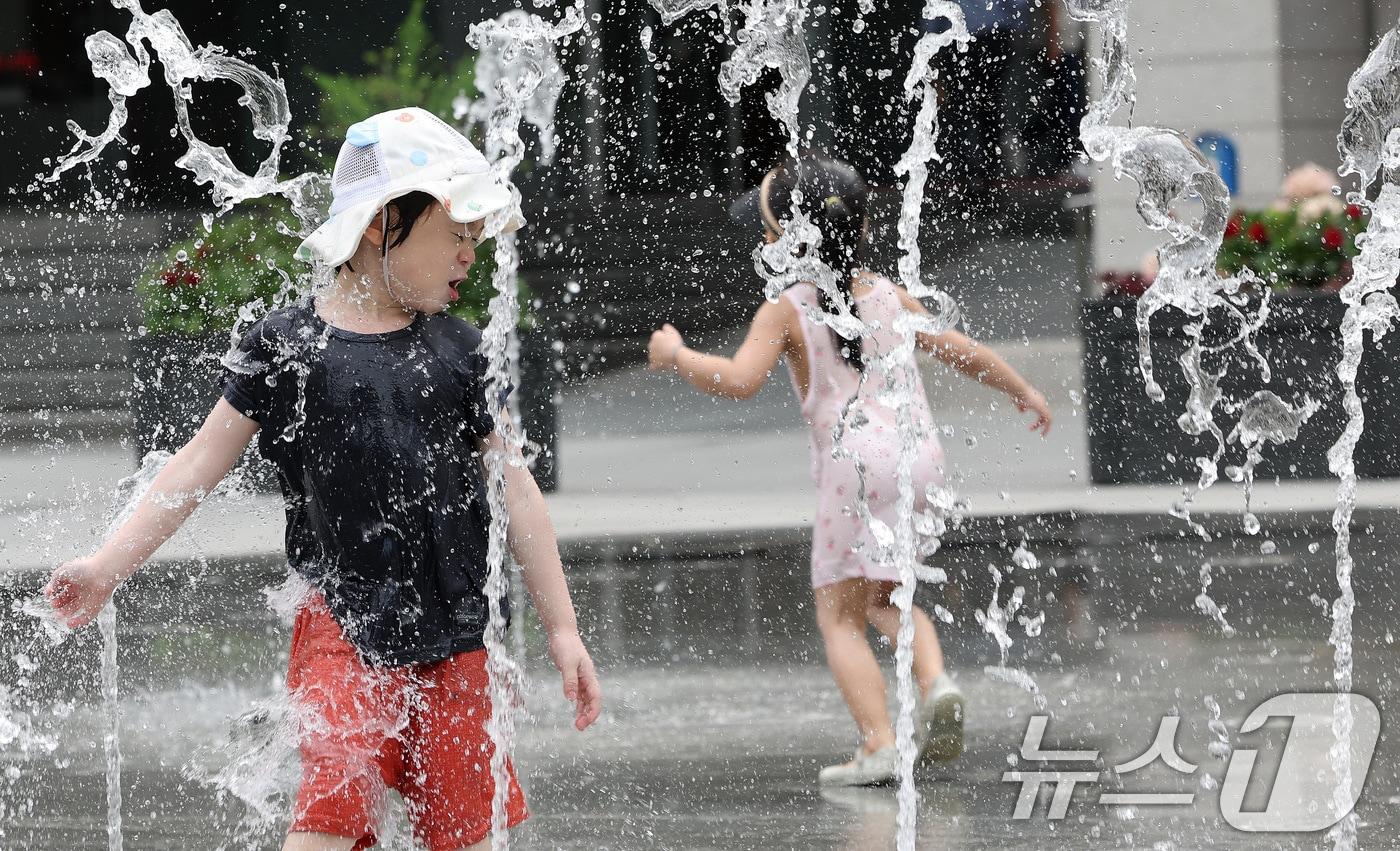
{"points": [[1173, 177], [127, 495], [772, 37], [258, 763], [521, 80], [1369, 143], [913, 165], [1019, 678], [111, 736], [901, 373], [258, 767], [518, 49], [125, 66]]}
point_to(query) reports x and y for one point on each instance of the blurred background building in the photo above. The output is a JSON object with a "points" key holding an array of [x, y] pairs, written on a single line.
{"points": [[630, 222]]}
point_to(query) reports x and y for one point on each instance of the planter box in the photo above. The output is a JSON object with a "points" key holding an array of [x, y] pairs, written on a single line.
{"points": [[177, 381], [1135, 440]]}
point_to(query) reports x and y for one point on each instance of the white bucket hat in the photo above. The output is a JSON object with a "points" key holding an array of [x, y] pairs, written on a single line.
{"points": [[394, 153]]}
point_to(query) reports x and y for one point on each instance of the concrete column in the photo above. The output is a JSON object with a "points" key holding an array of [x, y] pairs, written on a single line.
{"points": [[1320, 48]]}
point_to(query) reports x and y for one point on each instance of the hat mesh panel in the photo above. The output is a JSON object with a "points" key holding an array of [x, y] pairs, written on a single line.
{"points": [[360, 174]]}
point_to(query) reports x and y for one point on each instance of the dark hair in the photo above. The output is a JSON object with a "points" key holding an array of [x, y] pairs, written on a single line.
{"points": [[404, 213], [835, 198]]}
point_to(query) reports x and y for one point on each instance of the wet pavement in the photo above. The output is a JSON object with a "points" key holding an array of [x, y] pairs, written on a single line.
{"points": [[720, 711]]}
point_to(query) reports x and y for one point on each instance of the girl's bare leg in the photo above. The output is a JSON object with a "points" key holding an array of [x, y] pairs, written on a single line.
{"points": [[883, 614], [841, 616]]}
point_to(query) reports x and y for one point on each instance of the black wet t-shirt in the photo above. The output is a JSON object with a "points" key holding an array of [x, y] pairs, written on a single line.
{"points": [[374, 437]]}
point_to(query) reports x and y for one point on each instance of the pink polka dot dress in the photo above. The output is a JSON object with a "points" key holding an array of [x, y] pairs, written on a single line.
{"points": [[842, 547]]}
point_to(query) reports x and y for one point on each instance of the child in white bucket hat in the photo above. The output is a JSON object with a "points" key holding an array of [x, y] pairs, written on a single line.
{"points": [[371, 402], [395, 153]]}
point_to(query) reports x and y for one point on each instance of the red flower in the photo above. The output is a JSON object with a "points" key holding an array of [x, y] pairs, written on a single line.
{"points": [[169, 277], [1258, 233], [191, 278], [1354, 211], [1234, 226], [1332, 238]]}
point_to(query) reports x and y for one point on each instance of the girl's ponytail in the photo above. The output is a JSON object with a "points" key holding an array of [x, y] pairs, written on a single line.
{"points": [[835, 198]]}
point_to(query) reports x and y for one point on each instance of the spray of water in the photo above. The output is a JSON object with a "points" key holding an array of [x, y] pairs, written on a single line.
{"points": [[1173, 177], [772, 37], [125, 66], [1370, 147], [128, 494], [1169, 170], [520, 80], [902, 380]]}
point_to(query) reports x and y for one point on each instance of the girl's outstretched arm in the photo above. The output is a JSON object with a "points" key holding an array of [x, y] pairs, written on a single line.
{"points": [[532, 541], [980, 362], [79, 589], [739, 377]]}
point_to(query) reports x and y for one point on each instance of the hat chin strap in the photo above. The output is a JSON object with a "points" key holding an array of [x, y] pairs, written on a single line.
{"points": [[388, 284]]}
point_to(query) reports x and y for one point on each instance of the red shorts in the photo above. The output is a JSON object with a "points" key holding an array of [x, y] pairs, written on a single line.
{"points": [[418, 729]]}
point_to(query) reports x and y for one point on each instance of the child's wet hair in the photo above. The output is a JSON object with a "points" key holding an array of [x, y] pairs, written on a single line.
{"points": [[404, 212], [835, 198]]}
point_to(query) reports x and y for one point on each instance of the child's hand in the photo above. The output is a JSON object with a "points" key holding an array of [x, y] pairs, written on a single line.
{"points": [[1036, 404], [580, 680], [663, 348], [79, 589]]}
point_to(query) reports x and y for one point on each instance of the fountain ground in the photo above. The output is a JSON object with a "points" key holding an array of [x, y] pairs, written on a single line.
{"points": [[684, 523], [720, 711]]}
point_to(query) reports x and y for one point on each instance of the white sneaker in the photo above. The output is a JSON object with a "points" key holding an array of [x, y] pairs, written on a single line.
{"points": [[867, 769], [941, 721]]}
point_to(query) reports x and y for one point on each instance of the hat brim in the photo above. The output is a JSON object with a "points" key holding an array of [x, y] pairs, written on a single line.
{"points": [[466, 198]]}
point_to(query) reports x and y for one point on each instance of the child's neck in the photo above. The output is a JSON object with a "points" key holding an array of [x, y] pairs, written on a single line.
{"points": [[361, 303]]}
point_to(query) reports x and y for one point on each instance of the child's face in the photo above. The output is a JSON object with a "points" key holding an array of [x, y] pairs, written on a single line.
{"points": [[430, 265]]}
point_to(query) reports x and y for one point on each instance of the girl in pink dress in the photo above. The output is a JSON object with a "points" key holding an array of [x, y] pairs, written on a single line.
{"points": [[851, 584]]}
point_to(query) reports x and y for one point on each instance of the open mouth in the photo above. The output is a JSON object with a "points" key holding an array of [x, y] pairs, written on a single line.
{"points": [[453, 286]]}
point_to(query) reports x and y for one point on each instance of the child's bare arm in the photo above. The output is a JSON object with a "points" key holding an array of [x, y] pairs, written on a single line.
{"points": [[981, 363], [79, 589], [739, 377], [532, 541]]}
